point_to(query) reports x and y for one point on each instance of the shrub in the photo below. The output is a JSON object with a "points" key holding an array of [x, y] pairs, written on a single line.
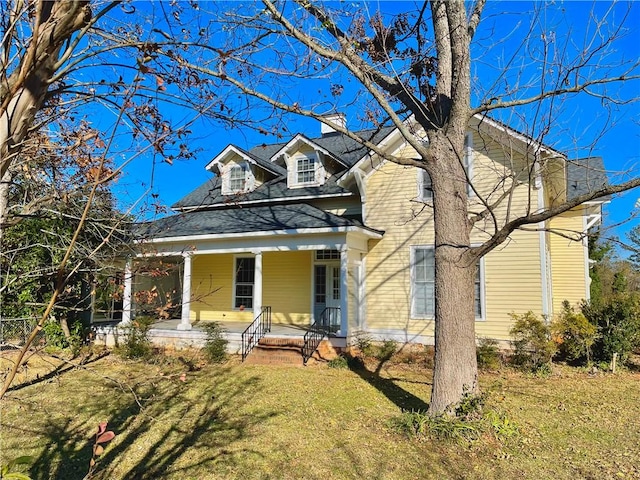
{"points": [[488, 354], [574, 334], [532, 344], [137, 344], [56, 338], [618, 323], [215, 347], [385, 351], [363, 343], [339, 362]]}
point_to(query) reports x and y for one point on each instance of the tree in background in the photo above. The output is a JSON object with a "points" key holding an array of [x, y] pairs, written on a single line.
{"points": [[79, 100]]}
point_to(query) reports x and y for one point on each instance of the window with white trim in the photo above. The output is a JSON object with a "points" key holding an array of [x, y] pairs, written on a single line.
{"points": [[245, 269], [423, 300], [425, 189], [306, 169]]}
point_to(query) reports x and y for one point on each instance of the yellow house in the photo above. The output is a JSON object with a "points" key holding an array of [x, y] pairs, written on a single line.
{"points": [[319, 234]]}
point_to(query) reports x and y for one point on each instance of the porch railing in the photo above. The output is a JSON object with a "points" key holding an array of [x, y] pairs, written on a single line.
{"points": [[318, 330], [254, 332]]}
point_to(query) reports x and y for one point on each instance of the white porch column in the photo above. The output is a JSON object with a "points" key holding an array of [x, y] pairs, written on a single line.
{"points": [[185, 323], [344, 289], [126, 296], [257, 285]]}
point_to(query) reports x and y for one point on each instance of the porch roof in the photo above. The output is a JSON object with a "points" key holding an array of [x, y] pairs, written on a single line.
{"points": [[285, 218]]}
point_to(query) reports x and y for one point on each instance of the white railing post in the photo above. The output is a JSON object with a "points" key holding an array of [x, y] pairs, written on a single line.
{"points": [[344, 289], [257, 285], [126, 295]]}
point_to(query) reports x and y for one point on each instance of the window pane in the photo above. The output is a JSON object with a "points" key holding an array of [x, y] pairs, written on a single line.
{"points": [[424, 286], [427, 191], [237, 178], [245, 274], [336, 283], [245, 270], [478, 293], [321, 283], [327, 255], [306, 170]]}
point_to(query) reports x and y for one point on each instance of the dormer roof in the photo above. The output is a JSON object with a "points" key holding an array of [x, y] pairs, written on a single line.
{"points": [[293, 145], [231, 150]]}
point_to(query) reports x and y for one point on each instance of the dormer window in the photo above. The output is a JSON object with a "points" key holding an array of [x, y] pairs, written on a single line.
{"points": [[306, 170], [237, 178]]}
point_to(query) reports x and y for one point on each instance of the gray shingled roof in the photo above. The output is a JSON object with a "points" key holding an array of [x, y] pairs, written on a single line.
{"points": [[585, 175], [266, 164], [243, 220], [347, 150], [210, 193], [342, 147]]}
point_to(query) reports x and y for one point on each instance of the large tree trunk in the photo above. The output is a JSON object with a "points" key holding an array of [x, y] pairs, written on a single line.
{"points": [[5, 186], [455, 372]]}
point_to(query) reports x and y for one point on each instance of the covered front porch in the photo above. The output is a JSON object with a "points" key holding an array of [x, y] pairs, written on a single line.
{"points": [[303, 276]]}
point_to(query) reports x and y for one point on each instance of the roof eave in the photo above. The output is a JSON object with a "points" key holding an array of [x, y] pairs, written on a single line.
{"points": [[367, 232]]}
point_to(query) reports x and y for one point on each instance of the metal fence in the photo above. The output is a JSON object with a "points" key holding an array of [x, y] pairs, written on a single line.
{"points": [[15, 331]]}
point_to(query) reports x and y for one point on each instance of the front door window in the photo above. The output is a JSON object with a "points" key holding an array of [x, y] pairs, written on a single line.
{"points": [[327, 289]]}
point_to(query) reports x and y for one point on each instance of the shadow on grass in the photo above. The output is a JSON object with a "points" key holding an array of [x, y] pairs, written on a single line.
{"points": [[64, 367], [387, 386], [182, 429]]}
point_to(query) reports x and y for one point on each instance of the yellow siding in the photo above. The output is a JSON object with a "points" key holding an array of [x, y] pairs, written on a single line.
{"points": [[568, 257], [212, 290], [287, 286], [512, 272], [286, 278], [512, 283]]}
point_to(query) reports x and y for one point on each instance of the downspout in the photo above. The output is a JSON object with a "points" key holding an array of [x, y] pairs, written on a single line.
{"points": [[542, 237]]}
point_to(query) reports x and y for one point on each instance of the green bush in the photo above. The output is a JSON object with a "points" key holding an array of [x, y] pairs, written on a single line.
{"points": [[532, 343], [215, 347], [574, 334], [364, 344], [618, 322], [339, 362], [488, 354], [56, 338], [385, 351], [421, 425], [136, 343], [54, 335]]}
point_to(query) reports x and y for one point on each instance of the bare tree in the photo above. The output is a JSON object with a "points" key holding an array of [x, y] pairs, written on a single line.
{"points": [[413, 70], [81, 95]]}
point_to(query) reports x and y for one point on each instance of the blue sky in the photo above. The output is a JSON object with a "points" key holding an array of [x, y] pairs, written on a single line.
{"points": [[579, 121]]}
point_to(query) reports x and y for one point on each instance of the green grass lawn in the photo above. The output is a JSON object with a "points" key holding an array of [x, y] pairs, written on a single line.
{"points": [[257, 422]]}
